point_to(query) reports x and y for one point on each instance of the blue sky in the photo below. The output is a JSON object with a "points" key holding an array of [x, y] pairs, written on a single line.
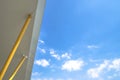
{"points": [[79, 40]]}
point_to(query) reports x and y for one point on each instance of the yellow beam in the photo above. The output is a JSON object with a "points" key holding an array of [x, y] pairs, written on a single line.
{"points": [[12, 53], [17, 68]]}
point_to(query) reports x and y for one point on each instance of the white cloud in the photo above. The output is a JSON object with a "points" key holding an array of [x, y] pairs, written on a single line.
{"points": [[41, 41], [66, 55], [52, 51], [95, 72], [106, 66], [111, 77], [115, 65], [69, 79], [50, 79], [36, 74], [94, 60], [42, 50], [42, 62], [59, 79], [36, 79], [73, 65], [59, 57], [54, 54], [92, 47]]}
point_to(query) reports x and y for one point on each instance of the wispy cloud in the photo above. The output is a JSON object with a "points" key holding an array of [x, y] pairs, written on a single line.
{"points": [[66, 55], [95, 72], [94, 60], [113, 75], [92, 46], [104, 67], [42, 50], [52, 51], [41, 41], [36, 79], [51, 79], [42, 62], [115, 65], [73, 65], [54, 54], [36, 74]]}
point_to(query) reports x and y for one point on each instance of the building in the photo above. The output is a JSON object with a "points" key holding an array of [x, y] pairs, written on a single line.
{"points": [[13, 14]]}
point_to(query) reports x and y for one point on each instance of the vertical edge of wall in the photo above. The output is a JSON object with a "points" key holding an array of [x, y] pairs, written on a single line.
{"points": [[35, 34]]}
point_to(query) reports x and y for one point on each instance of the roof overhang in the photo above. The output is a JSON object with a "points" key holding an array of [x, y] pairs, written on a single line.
{"points": [[13, 14]]}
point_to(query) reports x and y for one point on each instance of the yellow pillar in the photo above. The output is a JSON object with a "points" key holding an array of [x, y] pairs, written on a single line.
{"points": [[12, 53], [17, 68]]}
